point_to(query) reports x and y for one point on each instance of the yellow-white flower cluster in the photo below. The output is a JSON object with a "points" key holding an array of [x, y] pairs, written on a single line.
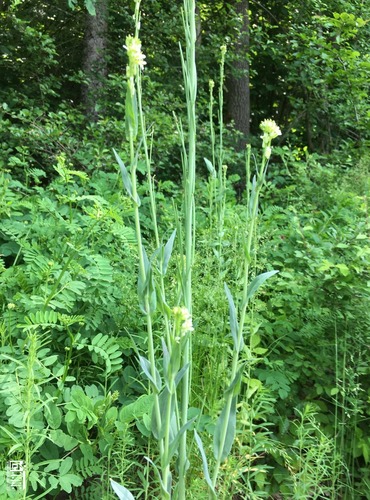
{"points": [[270, 131], [184, 320], [136, 58]]}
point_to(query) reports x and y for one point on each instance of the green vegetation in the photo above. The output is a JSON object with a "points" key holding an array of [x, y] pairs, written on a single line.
{"points": [[184, 301]]}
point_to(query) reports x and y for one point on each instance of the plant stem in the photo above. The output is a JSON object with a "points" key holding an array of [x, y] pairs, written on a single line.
{"points": [[190, 81], [142, 276], [252, 220]]}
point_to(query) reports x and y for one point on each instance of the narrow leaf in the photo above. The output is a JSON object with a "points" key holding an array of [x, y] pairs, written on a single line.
{"points": [[238, 345], [174, 444], [211, 168], [204, 460], [131, 118], [126, 178], [165, 400], [166, 359], [234, 387], [147, 369], [121, 491], [146, 288], [168, 252], [222, 446], [253, 193], [90, 6], [157, 473], [257, 282], [180, 374]]}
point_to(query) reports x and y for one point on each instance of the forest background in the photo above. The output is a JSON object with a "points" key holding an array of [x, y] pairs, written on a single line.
{"points": [[74, 404]]}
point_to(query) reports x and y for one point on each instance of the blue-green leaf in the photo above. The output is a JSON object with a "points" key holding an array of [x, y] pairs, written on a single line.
{"points": [[166, 400], [180, 374], [147, 369], [253, 194], [257, 282], [204, 460], [222, 447], [131, 118], [168, 252], [163, 487], [126, 178], [211, 168], [234, 387], [121, 491], [174, 444], [238, 344], [90, 6], [146, 288], [72, 4]]}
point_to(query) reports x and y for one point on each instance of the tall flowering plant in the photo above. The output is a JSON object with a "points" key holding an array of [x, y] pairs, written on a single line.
{"points": [[169, 375]]}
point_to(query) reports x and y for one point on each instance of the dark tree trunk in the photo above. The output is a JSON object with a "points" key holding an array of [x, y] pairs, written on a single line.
{"points": [[237, 82], [95, 63]]}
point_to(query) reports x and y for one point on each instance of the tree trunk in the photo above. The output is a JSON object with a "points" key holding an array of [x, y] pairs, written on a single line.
{"points": [[237, 82], [95, 64]]}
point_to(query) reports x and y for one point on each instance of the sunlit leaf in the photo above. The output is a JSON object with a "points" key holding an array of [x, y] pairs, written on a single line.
{"points": [[122, 492]]}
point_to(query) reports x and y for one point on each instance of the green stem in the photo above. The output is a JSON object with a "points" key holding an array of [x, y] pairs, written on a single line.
{"points": [[142, 275], [248, 248], [153, 208], [221, 172], [212, 176], [190, 77]]}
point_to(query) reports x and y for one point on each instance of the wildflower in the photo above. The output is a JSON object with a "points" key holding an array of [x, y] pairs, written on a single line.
{"points": [[183, 321], [211, 84], [135, 56], [223, 49], [270, 130], [11, 306]]}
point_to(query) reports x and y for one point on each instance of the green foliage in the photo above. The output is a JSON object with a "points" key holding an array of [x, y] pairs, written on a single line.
{"points": [[75, 406], [60, 284], [89, 4]]}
